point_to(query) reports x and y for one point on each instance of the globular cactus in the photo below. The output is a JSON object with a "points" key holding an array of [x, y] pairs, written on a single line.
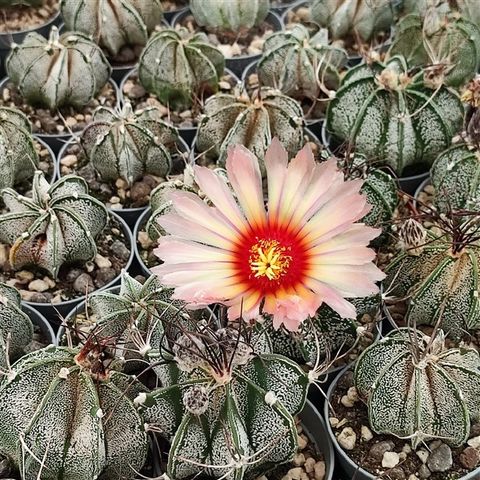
{"points": [[250, 121], [57, 225], [229, 15], [13, 3], [364, 18], [299, 65], [447, 46], [16, 329], [393, 118], [418, 389], [437, 273], [228, 411], [455, 175], [113, 24], [123, 144], [67, 70], [94, 428], [179, 67], [18, 158]]}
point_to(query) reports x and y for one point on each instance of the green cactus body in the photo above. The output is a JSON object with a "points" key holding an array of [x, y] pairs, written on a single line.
{"points": [[16, 329], [453, 43], [57, 225], [113, 24], [78, 423], [343, 18], [469, 9], [178, 67], [392, 118], [455, 175], [299, 65], [229, 15], [252, 122], [18, 158], [236, 418], [67, 70], [418, 389], [438, 282], [128, 145]]}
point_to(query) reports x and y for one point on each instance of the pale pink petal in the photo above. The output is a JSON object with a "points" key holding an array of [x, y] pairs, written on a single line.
{"points": [[244, 175], [333, 299], [172, 250], [356, 234], [344, 256], [276, 161], [246, 306]]}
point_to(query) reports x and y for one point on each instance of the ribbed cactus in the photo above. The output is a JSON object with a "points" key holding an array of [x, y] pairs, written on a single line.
{"points": [[418, 389], [67, 70], [65, 415], [179, 67], [438, 276], [57, 225], [16, 329], [13, 3], [228, 411], [393, 118], [122, 144], [250, 121], [299, 65], [455, 175], [447, 46], [113, 24], [344, 18], [18, 158], [229, 15]]}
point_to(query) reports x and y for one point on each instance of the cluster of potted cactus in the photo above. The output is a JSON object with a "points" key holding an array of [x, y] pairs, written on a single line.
{"points": [[239, 239]]}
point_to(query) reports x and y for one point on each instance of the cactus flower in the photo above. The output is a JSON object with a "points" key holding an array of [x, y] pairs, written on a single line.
{"points": [[304, 249]]}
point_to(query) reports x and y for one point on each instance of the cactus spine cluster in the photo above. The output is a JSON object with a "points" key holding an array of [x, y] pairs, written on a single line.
{"points": [[57, 225], [179, 67], [122, 144], [67, 70], [113, 24], [416, 388]]}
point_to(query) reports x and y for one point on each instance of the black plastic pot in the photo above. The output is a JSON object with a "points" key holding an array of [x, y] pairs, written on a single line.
{"points": [[44, 144], [7, 38], [279, 7], [170, 15], [130, 215], [53, 312], [57, 141], [238, 64], [142, 220], [41, 322]]}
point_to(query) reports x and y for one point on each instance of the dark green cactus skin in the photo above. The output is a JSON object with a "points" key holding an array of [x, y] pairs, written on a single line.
{"points": [[298, 64], [455, 42], [392, 118], [128, 145], [81, 427], [16, 3], [179, 67], [113, 24], [455, 175], [432, 393], [436, 283]]}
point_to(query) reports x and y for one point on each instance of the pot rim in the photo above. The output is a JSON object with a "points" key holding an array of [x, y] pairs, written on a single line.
{"points": [[39, 320]]}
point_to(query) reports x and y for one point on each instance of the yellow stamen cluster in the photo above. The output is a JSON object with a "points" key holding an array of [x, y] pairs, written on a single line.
{"points": [[268, 259]]}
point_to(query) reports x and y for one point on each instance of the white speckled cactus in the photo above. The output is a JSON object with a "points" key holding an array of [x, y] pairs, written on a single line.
{"points": [[16, 329], [418, 389], [228, 410], [250, 121], [229, 15], [179, 67], [122, 144], [343, 18], [57, 225], [299, 65], [18, 158], [67, 70], [393, 118], [448, 45], [113, 24], [62, 408]]}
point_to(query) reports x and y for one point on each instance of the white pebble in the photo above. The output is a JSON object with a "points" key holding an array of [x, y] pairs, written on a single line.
{"points": [[38, 286], [390, 459], [367, 434], [422, 455], [474, 442], [347, 438], [102, 262]]}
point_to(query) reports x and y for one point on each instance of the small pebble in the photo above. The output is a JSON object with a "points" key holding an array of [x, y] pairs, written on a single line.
{"points": [[299, 459], [347, 438], [24, 276], [83, 284], [38, 285], [309, 465], [366, 433], [69, 161], [474, 442], [302, 442], [440, 459], [102, 262], [319, 470], [390, 459], [470, 458], [377, 450], [422, 455], [424, 472]]}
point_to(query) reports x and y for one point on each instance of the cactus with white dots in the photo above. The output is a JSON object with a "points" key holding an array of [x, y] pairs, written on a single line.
{"points": [[416, 388], [127, 145], [57, 225], [66, 70]]}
